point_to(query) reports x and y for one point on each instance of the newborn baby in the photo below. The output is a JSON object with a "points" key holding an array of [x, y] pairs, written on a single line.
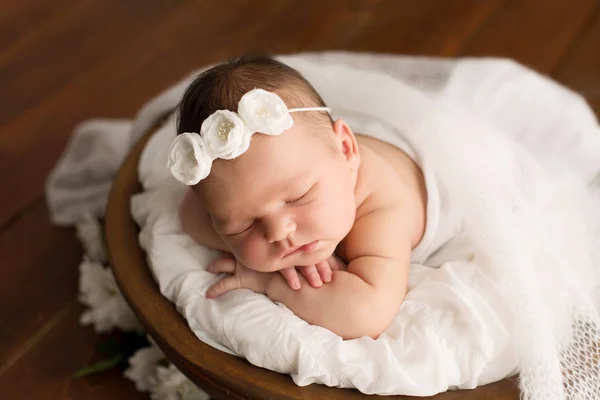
{"points": [[278, 185]]}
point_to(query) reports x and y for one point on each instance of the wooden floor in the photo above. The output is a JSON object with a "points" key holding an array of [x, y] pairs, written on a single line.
{"points": [[63, 61]]}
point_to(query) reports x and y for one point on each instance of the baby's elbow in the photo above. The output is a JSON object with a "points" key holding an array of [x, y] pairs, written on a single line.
{"points": [[377, 326], [371, 328], [370, 321]]}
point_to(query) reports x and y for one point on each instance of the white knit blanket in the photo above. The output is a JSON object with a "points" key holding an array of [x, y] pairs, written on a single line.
{"points": [[514, 290]]}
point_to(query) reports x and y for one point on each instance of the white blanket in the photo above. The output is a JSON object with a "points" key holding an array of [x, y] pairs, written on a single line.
{"points": [[490, 305]]}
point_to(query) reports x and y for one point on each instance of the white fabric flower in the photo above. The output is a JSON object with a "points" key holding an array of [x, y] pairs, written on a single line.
{"points": [[225, 134], [170, 384], [264, 112], [143, 367], [189, 159], [89, 233], [107, 307]]}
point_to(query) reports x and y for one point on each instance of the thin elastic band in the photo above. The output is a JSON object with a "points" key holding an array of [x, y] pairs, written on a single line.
{"points": [[310, 109]]}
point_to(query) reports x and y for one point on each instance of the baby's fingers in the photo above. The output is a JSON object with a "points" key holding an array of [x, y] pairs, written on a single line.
{"points": [[223, 286], [324, 270], [336, 264], [312, 276], [291, 276], [222, 265]]}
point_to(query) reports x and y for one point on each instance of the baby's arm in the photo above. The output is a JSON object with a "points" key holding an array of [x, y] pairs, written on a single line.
{"points": [[364, 299], [361, 301]]}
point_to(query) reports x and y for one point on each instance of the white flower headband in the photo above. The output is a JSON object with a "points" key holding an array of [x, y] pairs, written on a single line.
{"points": [[226, 134]]}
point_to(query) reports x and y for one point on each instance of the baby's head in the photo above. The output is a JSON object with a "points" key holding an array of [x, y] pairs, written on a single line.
{"points": [[283, 192]]}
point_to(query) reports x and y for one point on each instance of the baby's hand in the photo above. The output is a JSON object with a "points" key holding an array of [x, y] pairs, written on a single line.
{"points": [[241, 277], [316, 275]]}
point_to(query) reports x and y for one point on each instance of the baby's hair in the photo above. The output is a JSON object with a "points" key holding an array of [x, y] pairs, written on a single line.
{"points": [[222, 86]]}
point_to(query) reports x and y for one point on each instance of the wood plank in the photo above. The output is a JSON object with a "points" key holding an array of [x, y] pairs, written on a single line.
{"points": [[581, 68], [46, 371], [67, 44], [38, 277], [532, 32], [427, 27], [35, 13], [309, 26]]}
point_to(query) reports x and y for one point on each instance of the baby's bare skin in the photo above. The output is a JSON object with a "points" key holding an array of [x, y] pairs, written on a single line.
{"points": [[389, 220]]}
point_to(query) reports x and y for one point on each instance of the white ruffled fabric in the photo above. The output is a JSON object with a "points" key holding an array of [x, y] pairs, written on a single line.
{"points": [[489, 307]]}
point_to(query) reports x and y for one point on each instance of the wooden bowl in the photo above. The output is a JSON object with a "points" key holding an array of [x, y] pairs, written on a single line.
{"points": [[221, 375]]}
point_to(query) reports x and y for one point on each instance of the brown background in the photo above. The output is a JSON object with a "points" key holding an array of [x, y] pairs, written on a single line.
{"points": [[64, 61]]}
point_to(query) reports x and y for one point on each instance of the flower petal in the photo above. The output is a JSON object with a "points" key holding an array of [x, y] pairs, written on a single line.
{"points": [[264, 112], [169, 383], [189, 159], [107, 307], [143, 367], [224, 134]]}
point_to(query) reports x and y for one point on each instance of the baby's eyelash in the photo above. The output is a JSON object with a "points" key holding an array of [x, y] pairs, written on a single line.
{"points": [[240, 232], [298, 199], [301, 197]]}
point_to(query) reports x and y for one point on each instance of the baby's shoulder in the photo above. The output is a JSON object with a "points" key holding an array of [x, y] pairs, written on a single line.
{"points": [[386, 173], [391, 182]]}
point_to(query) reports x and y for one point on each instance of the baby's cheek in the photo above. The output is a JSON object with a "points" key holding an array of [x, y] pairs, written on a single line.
{"points": [[252, 253], [334, 218]]}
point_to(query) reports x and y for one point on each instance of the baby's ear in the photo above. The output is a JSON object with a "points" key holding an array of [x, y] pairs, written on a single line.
{"points": [[347, 143]]}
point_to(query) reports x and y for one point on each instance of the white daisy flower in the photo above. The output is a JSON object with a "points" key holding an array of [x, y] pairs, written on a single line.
{"points": [[107, 308], [170, 384], [143, 367]]}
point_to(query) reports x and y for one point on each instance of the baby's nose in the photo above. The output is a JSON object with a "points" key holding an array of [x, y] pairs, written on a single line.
{"points": [[279, 229]]}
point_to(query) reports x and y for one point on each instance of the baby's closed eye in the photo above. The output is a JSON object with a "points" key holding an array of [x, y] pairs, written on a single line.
{"points": [[240, 231], [304, 196], [297, 200]]}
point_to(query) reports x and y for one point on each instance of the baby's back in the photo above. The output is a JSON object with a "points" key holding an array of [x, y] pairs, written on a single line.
{"points": [[406, 170], [387, 172]]}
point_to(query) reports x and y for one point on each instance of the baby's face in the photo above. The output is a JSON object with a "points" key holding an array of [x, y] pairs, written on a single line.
{"points": [[288, 201]]}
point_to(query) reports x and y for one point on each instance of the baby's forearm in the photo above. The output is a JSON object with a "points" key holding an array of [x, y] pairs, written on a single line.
{"points": [[347, 306]]}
